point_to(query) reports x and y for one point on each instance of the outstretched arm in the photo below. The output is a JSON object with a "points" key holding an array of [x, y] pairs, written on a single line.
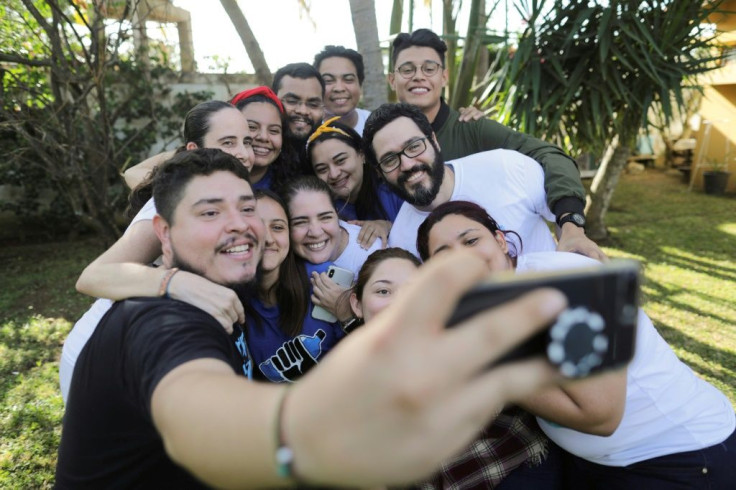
{"points": [[593, 405], [389, 403]]}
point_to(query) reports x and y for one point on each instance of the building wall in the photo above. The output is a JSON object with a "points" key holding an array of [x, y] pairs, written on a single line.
{"points": [[718, 105]]}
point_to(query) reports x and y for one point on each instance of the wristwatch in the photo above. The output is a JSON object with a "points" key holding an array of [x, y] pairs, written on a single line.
{"points": [[575, 218]]}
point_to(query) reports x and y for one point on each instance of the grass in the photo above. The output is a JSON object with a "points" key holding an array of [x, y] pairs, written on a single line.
{"points": [[685, 240]]}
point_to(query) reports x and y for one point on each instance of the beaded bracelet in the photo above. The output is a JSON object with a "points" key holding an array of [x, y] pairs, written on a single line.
{"points": [[163, 289], [284, 454]]}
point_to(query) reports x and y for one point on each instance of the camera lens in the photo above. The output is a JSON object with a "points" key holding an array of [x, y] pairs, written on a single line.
{"points": [[331, 273]]}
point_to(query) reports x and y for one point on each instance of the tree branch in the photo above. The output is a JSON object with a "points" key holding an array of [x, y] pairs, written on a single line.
{"points": [[13, 58]]}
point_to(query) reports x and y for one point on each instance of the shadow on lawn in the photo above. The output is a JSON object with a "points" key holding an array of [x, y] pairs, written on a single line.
{"points": [[712, 356], [664, 296]]}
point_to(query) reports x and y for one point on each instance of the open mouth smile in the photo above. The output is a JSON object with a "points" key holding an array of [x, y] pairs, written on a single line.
{"points": [[317, 246]]}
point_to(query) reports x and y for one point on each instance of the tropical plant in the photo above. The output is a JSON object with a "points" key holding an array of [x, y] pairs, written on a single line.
{"points": [[584, 75]]}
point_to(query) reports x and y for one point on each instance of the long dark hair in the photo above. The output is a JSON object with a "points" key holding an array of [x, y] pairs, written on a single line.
{"points": [[292, 288], [471, 211], [367, 203], [286, 166], [195, 128]]}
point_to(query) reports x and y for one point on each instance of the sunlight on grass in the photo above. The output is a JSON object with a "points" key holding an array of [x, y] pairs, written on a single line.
{"points": [[729, 228]]}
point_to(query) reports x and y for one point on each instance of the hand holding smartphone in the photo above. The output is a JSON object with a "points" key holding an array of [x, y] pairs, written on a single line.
{"points": [[596, 332], [344, 278]]}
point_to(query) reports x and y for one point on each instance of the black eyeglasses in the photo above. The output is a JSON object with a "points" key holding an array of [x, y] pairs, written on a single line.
{"points": [[414, 148], [429, 68]]}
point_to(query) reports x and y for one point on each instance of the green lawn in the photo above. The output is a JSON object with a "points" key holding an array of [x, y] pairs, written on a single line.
{"points": [[687, 242]]}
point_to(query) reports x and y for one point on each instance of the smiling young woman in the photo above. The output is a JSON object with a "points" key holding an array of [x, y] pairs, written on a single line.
{"points": [[274, 163], [654, 424], [336, 157], [283, 340], [322, 239]]}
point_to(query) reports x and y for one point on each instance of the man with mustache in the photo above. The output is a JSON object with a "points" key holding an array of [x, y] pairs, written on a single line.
{"points": [[398, 140], [419, 79], [158, 399], [302, 90]]}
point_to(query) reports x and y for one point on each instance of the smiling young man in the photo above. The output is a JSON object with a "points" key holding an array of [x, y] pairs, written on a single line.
{"points": [[419, 79], [301, 89], [207, 225], [343, 72]]}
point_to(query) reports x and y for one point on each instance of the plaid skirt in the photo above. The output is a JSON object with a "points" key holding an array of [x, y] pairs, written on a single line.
{"points": [[511, 440]]}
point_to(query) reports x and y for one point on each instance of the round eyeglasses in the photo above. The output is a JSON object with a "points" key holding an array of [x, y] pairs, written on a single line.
{"points": [[429, 68]]}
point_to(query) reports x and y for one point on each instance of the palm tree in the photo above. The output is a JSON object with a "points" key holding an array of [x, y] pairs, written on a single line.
{"points": [[587, 74], [257, 59], [375, 91]]}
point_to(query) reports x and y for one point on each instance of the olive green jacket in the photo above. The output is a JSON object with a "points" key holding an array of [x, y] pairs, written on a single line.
{"points": [[565, 192]]}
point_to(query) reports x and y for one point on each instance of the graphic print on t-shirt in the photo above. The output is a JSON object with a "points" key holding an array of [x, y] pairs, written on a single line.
{"points": [[294, 358], [242, 347]]}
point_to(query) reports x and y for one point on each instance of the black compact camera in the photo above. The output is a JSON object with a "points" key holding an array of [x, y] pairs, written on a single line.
{"points": [[596, 332]]}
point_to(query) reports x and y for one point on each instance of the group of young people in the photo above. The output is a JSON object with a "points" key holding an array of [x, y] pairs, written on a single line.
{"points": [[270, 190]]}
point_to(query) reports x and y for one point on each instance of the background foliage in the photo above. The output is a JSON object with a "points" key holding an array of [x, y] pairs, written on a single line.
{"points": [[78, 106]]}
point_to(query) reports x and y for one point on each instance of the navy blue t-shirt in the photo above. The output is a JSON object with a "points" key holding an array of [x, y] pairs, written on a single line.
{"points": [[280, 358]]}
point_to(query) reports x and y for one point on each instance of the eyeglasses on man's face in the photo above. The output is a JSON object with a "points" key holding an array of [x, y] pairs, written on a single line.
{"points": [[429, 68], [414, 148]]}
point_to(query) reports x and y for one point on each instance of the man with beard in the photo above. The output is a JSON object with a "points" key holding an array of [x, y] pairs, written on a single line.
{"points": [[419, 78], [302, 90], [156, 400], [399, 140]]}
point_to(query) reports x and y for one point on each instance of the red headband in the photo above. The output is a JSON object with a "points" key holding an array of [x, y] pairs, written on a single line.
{"points": [[262, 90]]}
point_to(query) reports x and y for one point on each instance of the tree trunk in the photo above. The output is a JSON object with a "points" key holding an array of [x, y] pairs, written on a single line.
{"points": [[397, 17], [375, 91], [263, 73], [601, 190], [449, 30]]}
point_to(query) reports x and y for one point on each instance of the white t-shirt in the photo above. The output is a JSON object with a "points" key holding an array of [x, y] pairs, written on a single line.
{"points": [[509, 185], [362, 117], [353, 257], [85, 326], [669, 409]]}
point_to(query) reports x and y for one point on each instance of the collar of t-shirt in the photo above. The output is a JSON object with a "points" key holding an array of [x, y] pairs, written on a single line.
{"points": [[442, 116]]}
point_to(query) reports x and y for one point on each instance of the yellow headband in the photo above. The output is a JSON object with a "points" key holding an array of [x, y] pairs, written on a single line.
{"points": [[326, 128]]}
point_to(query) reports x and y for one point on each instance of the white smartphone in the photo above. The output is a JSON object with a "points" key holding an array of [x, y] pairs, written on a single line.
{"points": [[344, 278]]}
